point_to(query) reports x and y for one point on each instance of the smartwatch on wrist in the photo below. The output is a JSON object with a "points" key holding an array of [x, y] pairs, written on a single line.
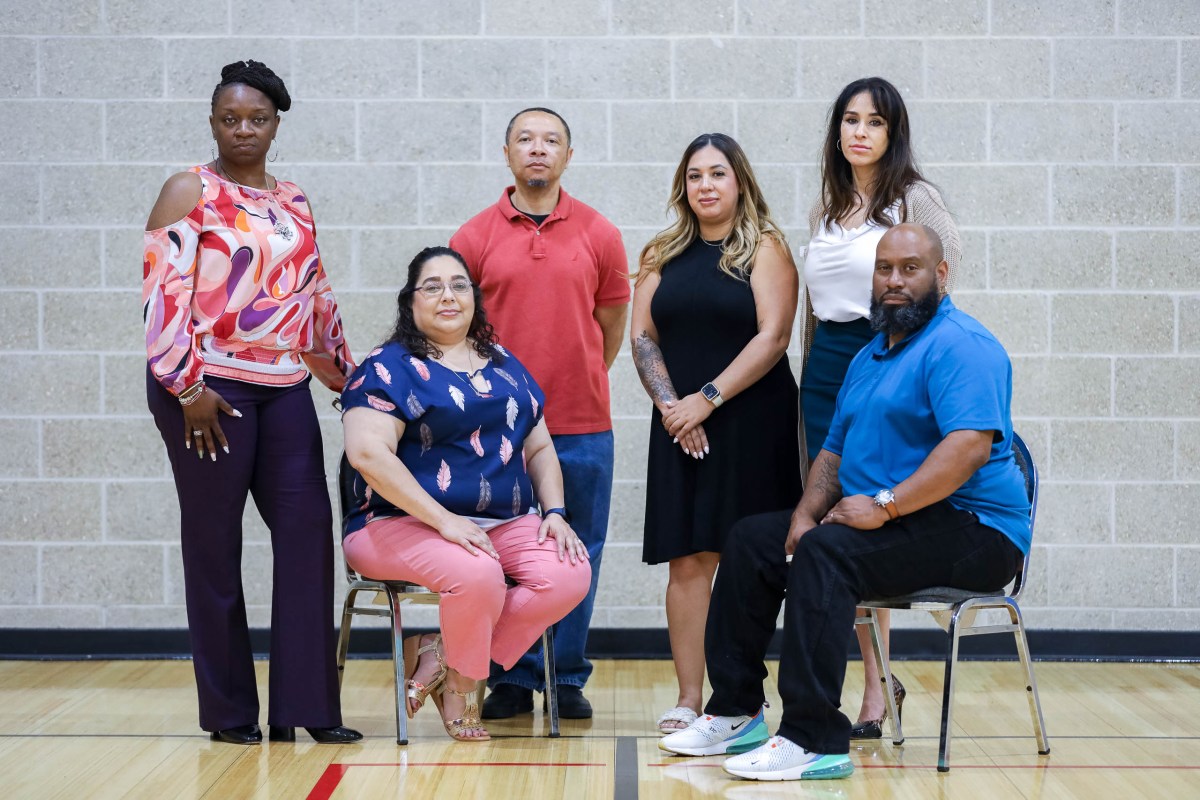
{"points": [[886, 500], [562, 512], [712, 394]]}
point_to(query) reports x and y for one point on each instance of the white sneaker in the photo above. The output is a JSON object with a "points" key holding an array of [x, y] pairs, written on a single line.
{"points": [[780, 759], [712, 736]]}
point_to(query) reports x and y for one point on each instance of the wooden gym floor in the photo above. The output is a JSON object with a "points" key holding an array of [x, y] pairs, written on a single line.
{"points": [[114, 729]]}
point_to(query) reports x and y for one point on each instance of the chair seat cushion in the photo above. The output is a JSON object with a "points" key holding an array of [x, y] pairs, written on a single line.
{"points": [[945, 595]]}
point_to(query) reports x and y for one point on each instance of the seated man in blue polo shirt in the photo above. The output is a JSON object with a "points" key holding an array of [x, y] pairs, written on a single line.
{"points": [[916, 486]]}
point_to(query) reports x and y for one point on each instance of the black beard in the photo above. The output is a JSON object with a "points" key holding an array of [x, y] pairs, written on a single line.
{"points": [[537, 183], [903, 319]]}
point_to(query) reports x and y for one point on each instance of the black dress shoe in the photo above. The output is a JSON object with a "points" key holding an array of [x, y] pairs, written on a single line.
{"points": [[242, 734], [338, 735], [281, 733], [572, 704], [507, 700], [868, 729], [873, 728]]}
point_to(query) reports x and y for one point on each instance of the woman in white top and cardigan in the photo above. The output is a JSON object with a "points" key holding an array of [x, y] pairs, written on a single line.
{"points": [[869, 182]]}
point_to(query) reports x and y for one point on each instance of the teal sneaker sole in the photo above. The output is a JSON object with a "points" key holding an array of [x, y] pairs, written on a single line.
{"points": [[836, 768], [751, 739]]}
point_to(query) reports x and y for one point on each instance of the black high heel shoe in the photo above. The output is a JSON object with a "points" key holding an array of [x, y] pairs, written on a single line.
{"points": [[338, 735], [873, 728], [242, 734]]}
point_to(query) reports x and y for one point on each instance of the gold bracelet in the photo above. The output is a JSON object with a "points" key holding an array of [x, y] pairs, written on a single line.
{"points": [[191, 394]]}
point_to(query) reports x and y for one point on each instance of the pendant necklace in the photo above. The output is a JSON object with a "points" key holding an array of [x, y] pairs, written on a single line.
{"points": [[281, 228], [469, 376]]}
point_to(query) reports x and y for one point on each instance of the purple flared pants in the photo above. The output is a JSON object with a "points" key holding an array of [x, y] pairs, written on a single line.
{"points": [[275, 457]]}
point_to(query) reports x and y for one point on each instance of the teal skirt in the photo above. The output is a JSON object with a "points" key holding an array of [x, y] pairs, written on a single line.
{"points": [[835, 344]]}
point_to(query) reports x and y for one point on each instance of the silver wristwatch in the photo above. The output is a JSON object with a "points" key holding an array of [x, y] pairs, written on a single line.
{"points": [[886, 500]]}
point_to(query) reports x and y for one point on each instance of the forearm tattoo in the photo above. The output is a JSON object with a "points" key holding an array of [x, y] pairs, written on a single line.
{"points": [[826, 486], [652, 369]]}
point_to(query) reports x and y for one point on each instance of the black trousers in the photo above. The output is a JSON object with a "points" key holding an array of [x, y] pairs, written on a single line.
{"points": [[834, 568]]}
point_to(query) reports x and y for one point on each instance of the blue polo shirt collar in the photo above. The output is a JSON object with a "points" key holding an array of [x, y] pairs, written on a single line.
{"points": [[879, 346]]}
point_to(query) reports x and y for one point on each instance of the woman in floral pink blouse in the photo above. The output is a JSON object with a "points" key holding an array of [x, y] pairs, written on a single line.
{"points": [[238, 312]]}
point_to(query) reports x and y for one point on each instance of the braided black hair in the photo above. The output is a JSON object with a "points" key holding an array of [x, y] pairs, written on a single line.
{"points": [[256, 75]]}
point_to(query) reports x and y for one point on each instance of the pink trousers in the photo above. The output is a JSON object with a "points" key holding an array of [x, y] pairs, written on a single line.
{"points": [[483, 619]]}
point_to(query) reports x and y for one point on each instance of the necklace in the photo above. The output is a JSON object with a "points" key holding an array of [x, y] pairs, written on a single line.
{"points": [[480, 385], [717, 245], [225, 174], [281, 228]]}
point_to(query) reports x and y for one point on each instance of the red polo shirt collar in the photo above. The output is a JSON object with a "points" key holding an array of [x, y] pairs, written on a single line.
{"points": [[561, 211]]}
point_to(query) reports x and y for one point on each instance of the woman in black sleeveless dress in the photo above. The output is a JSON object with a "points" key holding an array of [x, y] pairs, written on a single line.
{"points": [[712, 317]]}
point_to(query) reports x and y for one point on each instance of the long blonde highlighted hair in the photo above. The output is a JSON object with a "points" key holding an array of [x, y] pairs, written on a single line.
{"points": [[751, 222]]}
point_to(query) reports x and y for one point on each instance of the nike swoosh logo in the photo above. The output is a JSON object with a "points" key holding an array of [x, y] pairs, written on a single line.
{"points": [[740, 724]]}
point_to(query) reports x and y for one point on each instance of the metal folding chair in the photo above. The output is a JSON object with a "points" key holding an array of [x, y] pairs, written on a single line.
{"points": [[956, 611], [399, 592]]}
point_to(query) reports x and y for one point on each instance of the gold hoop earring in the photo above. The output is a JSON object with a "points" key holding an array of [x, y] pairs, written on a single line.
{"points": [[276, 143]]}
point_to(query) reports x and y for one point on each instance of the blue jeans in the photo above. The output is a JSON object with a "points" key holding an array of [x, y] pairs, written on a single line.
{"points": [[587, 467]]}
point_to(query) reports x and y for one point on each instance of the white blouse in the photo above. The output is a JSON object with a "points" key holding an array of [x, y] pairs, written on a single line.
{"points": [[839, 266]]}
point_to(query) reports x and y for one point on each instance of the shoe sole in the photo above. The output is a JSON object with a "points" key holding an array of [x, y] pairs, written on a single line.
{"points": [[751, 739], [823, 769]]}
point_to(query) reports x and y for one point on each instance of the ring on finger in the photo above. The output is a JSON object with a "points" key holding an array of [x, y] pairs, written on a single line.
{"points": [[196, 432]]}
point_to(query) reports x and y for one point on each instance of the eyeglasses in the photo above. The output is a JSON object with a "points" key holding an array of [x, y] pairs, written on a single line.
{"points": [[432, 289]]}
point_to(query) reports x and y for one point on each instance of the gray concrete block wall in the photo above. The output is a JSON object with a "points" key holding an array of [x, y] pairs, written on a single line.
{"points": [[1063, 135]]}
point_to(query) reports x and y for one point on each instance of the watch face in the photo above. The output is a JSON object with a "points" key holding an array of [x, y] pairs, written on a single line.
{"points": [[884, 497], [709, 391]]}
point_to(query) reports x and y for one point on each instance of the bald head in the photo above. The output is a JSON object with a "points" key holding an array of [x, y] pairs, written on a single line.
{"points": [[910, 273], [922, 237]]}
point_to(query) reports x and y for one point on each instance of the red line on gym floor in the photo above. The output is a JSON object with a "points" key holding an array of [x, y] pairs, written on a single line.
{"points": [[325, 786]]}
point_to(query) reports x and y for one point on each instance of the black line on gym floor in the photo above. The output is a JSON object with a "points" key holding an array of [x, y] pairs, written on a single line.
{"points": [[625, 769]]}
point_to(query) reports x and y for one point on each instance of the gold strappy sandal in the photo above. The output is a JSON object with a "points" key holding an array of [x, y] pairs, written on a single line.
{"points": [[470, 719], [415, 691]]}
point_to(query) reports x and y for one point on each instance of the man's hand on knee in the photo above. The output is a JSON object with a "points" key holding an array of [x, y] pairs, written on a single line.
{"points": [[857, 511], [801, 524]]}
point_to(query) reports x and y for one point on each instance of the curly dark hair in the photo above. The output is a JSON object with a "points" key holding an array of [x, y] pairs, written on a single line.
{"points": [[256, 75], [417, 343]]}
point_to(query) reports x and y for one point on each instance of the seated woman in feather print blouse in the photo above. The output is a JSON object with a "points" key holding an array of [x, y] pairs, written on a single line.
{"points": [[451, 460]]}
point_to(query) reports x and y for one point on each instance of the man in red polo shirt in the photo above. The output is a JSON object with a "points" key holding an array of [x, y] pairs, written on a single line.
{"points": [[554, 278]]}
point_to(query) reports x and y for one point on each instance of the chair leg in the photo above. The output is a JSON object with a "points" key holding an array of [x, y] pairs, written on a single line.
{"points": [[343, 644], [551, 680], [1031, 690], [885, 673], [948, 696], [398, 666]]}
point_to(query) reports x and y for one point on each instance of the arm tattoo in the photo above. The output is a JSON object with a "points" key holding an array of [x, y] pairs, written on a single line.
{"points": [[652, 369], [826, 486]]}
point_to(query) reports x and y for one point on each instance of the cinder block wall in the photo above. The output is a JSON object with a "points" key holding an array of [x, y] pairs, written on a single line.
{"points": [[1063, 134]]}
